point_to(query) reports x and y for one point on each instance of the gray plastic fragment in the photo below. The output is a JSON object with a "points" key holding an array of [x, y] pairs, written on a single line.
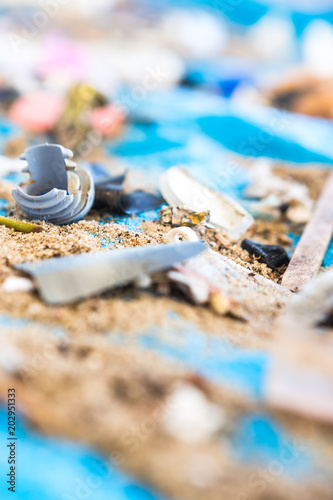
{"points": [[58, 191], [70, 279]]}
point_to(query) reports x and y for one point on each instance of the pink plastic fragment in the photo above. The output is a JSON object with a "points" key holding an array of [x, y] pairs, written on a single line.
{"points": [[107, 119], [37, 112]]}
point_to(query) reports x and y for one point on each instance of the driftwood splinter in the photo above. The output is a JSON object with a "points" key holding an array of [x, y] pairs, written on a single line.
{"points": [[310, 251]]}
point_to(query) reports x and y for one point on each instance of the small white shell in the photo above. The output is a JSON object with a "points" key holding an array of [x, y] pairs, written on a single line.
{"points": [[17, 284], [187, 233], [178, 188]]}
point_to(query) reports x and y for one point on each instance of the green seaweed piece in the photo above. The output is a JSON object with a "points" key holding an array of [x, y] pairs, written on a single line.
{"points": [[18, 225]]}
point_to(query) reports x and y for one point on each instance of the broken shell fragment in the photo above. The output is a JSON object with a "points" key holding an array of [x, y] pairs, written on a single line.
{"points": [[268, 194], [195, 287], [299, 214], [181, 216], [179, 234], [200, 291], [58, 191], [178, 187]]}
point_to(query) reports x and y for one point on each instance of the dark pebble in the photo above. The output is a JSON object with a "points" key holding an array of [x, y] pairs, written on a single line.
{"points": [[272, 255]]}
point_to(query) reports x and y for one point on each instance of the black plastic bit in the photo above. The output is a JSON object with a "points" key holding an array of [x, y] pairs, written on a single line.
{"points": [[272, 255]]}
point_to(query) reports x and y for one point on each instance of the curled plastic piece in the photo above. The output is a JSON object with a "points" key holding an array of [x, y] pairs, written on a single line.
{"points": [[58, 190], [110, 195]]}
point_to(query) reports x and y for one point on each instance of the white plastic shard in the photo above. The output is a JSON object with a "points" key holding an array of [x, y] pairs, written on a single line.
{"points": [[58, 190], [178, 188], [300, 374]]}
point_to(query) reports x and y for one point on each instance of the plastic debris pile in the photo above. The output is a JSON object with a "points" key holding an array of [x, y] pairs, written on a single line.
{"points": [[166, 220]]}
